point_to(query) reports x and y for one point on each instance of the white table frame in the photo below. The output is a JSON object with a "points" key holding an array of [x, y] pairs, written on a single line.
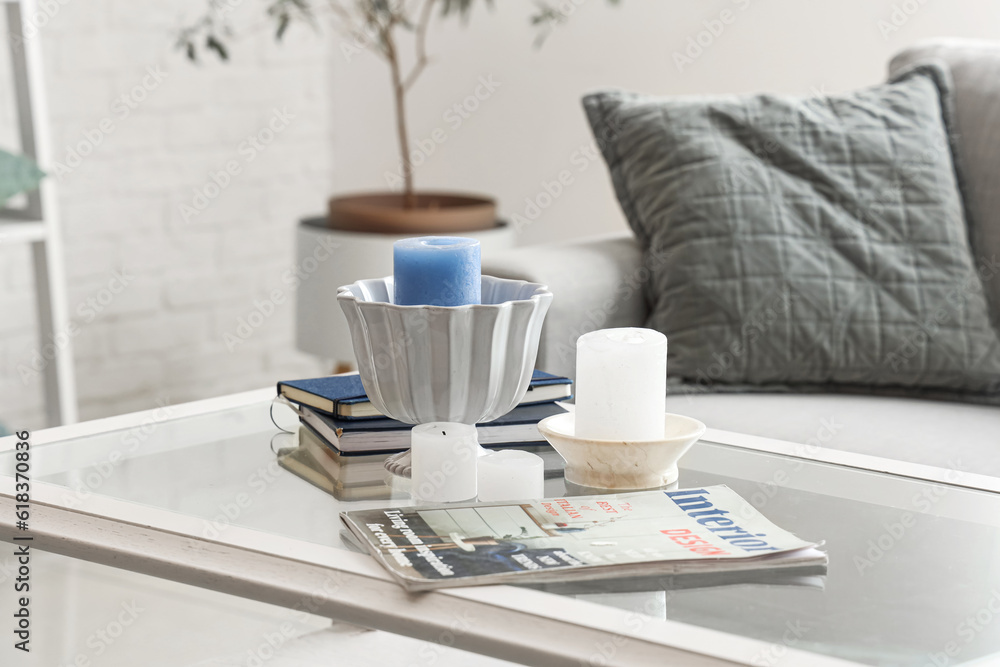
{"points": [[509, 623]]}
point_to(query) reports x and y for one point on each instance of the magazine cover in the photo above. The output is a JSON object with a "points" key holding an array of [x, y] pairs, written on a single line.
{"points": [[585, 537]]}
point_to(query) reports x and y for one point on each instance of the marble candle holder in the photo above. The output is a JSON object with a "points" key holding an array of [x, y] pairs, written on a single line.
{"points": [[621, 464], [466, 364]]}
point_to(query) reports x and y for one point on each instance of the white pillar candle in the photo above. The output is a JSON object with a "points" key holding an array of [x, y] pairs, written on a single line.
{"points": [[621, 383], [443, 458], [511, 474]]}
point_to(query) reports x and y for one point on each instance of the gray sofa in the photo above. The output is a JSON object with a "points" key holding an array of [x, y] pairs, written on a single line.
{"points": [[599, 283]]}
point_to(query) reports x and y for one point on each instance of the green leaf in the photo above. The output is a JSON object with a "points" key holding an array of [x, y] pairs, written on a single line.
{"points": [[215, 45], [18, 174], [460, 7], [283, 21]]}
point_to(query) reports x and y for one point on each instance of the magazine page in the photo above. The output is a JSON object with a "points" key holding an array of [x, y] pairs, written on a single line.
{"points": [[665, 532]]}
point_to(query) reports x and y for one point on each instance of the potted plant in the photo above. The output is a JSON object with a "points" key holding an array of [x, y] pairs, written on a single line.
{"points": [[381, 23]]}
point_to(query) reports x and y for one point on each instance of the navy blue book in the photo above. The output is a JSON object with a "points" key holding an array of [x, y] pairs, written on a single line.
{"points": [[343, 396], [354, 436]]}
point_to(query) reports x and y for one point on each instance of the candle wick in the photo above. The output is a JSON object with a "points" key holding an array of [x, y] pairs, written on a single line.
{"points": [[443, 433]]}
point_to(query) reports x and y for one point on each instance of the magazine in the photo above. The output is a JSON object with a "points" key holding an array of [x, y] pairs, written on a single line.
{"points": [[710, 529]]}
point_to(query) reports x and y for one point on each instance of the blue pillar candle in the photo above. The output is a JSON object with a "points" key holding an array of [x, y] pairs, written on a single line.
{"points": [[437, 271]]}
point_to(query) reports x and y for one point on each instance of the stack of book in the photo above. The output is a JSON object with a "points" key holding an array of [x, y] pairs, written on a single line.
{"points": [[343, 440], [337, 411]]}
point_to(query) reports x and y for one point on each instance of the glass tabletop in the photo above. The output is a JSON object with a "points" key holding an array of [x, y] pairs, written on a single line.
{"points": [[913, 577]]}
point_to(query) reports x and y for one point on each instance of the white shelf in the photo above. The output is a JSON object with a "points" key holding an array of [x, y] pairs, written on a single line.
{"points": [[38, 223], [21, 231]]}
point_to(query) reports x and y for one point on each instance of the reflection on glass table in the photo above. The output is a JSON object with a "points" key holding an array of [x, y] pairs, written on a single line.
{"points": [[914, 567]]}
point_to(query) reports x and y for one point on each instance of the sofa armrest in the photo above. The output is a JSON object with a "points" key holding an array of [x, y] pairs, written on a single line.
{"points": [[596, 284], [975, 73]]}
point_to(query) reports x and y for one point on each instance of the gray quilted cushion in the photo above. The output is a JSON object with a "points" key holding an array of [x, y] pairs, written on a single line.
{"points": [[804, 242]]}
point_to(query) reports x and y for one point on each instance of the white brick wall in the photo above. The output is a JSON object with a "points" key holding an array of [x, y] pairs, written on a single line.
{"points": [[188, 282]]}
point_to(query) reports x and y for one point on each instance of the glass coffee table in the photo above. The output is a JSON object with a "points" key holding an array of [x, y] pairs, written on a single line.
{"points": [[193, 493]]}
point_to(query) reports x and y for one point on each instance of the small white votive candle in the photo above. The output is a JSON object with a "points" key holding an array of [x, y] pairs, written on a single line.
{"points": [[511, 474], [443, 457], [621, 384]]}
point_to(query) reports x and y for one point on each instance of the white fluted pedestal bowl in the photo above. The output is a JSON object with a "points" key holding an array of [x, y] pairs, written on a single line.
{"points": [[621, 464], [467, 364]]}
